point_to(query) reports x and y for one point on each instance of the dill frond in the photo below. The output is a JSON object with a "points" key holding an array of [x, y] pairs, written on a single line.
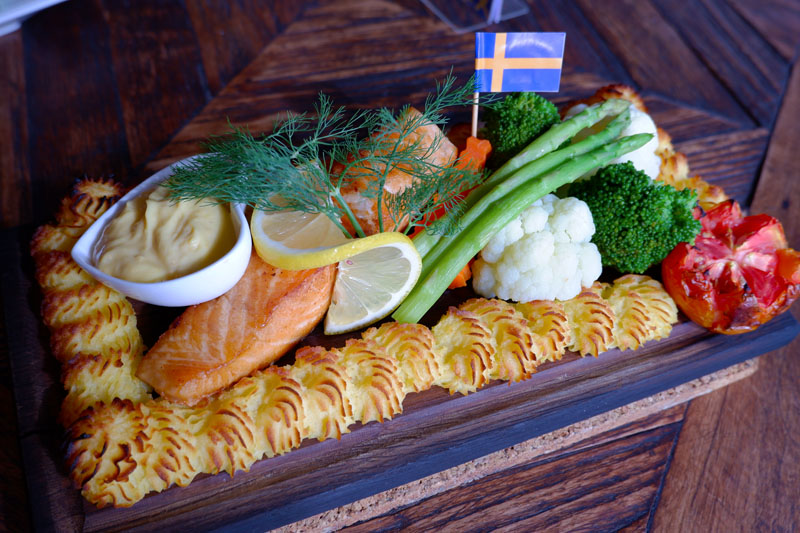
{"points": [[290, 167]]}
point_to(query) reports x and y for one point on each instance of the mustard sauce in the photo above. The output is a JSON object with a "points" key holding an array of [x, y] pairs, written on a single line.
{"points": [[154, 239]]}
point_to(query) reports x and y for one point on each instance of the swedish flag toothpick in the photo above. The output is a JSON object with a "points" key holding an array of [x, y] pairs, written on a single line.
{"points": [[528, 61], [519, 61]]}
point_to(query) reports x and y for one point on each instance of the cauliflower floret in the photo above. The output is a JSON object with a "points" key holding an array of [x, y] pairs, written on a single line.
{"points": [[571, 221], [483, 281], [507, 236], [535, 217], [589, 263], [545, 255], [643, 158]]}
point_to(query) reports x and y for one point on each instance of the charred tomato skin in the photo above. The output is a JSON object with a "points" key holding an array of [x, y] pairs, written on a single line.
{"points": [[737, 275], [722, 308]]}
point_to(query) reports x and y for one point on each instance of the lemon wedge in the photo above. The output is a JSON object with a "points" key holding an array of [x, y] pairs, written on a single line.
{"points": [[375, 273], [297, 241], [370, 285]]}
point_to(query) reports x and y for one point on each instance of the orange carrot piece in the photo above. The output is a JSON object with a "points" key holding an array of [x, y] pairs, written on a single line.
{"points": [[475, 153]]}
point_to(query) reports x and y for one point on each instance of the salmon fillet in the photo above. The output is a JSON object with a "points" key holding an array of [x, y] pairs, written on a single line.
{"points": [[213, 344], [432, 146]]}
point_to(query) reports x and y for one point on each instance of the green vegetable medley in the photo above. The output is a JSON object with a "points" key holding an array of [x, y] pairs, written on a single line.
{"points": [[638, 220], [540, 168]]}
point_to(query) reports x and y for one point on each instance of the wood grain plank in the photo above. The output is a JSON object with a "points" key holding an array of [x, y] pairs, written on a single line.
{"points": [[573, 491], [276, 82], [778, 191], [636, 526], [730, 160], [585, 50], [68, 44], [13, 496], [777, 20], [656, 56], [734, 51], [359, 53], [41, 394], [230, 34], [157, 68], [15, 185], [685, 123], [737, 463], [56, 504], [576, 85], [654, 411]]}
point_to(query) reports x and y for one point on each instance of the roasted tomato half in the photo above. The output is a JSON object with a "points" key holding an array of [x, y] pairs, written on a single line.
{"points": [[738, 274]]}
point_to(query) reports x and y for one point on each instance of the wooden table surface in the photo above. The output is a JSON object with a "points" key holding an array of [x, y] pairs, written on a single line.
{"points": [[101, 87]]}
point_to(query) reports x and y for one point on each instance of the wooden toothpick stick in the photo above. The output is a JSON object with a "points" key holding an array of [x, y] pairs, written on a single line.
{"points": [[475, 98]]}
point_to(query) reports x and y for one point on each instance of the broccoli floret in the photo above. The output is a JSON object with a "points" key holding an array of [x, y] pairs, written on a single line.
{"points": [[512, 123], [638, 221]]}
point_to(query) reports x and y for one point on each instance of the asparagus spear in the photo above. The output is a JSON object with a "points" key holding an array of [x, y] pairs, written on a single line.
{"points": [[528, 172], [555, 136], [544, 144], [473, 238]]}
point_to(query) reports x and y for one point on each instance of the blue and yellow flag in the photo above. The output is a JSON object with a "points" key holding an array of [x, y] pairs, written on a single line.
{"points": [[519, 61]]}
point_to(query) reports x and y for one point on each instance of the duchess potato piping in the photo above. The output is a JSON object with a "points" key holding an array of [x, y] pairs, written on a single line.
{"points": [[121, 451], [93, 329]]}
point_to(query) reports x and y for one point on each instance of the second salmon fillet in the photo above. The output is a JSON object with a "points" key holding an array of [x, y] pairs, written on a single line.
{"points": [[213, 344]]}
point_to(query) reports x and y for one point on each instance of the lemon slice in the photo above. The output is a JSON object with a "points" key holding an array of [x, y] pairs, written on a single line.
{"points": [[297, 241], [371, 284], [375, 273]]}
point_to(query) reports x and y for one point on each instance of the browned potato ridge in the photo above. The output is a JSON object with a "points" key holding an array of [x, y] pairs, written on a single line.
{"points": [[326, 391], [93, 329]]}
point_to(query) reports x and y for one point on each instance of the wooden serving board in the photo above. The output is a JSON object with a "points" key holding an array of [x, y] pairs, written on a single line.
{"points": [[436, 430], [363, 53]]}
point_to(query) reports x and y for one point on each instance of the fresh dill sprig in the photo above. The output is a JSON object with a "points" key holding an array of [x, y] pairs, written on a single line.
{"points": [[291, 168]]}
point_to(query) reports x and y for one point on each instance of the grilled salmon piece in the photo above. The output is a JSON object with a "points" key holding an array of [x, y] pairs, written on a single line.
{"points": [[213, 344], [430, 144]]}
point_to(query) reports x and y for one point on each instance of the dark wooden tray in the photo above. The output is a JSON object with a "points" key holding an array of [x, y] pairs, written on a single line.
{"points": [[436, 431]]}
